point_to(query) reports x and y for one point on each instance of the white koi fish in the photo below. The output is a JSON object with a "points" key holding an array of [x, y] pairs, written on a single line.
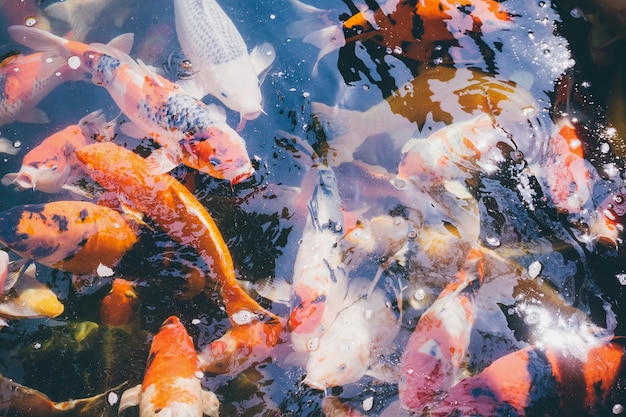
{"points": [[319, 281], [188, 130], [219, 54], [51, 166], [349, 347]]}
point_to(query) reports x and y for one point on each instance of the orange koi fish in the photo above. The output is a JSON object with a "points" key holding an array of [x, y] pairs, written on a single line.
{"points": [[51, 166], [119, 306], [440, 96], [25, 80], [73, 236], [171, 384], [438, 344], [157, 107], [407, 29]]}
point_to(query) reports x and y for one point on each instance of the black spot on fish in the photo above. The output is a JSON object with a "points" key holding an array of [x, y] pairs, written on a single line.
{"points": [[61, 221], [106, 69], [43, 251], [82, 216]]}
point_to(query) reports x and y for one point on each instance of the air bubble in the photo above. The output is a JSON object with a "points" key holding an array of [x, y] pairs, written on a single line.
{"points": [[30, 21], [368, 403], [438, 61], [621, 278], [313, 344], [73, 62], [399, 183], [617, 409]]}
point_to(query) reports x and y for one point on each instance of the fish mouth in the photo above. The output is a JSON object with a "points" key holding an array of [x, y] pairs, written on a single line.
{"points": [[242, 177], [314, 384]]}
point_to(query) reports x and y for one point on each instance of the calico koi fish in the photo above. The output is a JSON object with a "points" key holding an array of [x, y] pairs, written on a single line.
{"points": [[171, 385], [25, 80], [319, 281], [349, 347], [406, 29], [188, 130], [173, 208], [221, 62], [51, 166], [73, 236], [441, 96]]}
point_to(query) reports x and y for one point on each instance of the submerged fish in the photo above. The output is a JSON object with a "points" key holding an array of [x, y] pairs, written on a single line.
{"points": [[83, 16], [405, 29], [23, 12], [221, 63], [25, 80], [171, 384], [51, 166], [437, 97], [73, 236], [188, 130], [119, 306]]}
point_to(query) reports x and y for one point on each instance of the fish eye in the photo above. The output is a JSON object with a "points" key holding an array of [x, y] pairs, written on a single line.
{"points": [[343, 367], [215, 161], [224, 93]]}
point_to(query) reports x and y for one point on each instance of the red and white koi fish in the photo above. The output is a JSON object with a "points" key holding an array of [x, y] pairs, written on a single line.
{"points": [[188, 130], [171, 384], [28, 297], [349, 347], [406, 29], [73, 236], [435, 350], [219, 56], [51, 166], [83, 16], [437, 97], [319, 282], [25, 80]]}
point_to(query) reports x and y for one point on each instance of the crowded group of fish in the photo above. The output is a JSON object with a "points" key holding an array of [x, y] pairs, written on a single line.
{"points": [[448, 127]]}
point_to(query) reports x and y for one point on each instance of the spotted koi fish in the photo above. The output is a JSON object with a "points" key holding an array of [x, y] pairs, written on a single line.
{"points": [[188, 130], [73, 236], [221, 62], [171, 383], [51, 166]]}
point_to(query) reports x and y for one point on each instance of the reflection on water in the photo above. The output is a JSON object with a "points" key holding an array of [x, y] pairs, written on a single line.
{"points": [[427, 208]]}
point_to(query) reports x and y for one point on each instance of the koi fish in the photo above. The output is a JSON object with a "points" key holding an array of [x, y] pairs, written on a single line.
{"points": [[73, 236], [156, 107], [221, 62], [25, 80], [175, 210], [171, 384], [24, 401], [119, 306], [440, 96], [437, 346], [349, 347], [28, 298], [334, 407], [405, 29], [320, 283], [51, 166], [85, 15]]}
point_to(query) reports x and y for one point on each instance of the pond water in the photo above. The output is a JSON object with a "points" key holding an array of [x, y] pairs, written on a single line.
{"points": [[500, 203]]}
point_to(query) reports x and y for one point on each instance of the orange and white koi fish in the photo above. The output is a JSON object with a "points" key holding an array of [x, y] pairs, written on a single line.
{"points": [[51, 166], [119, 306], [219, 56], [440, 96], [171, 384], [25, 80], [73, 236], [28, 298], [437, 346], [83, 16], [349, 348], [320, 283], [406, 29], [188, 130]]}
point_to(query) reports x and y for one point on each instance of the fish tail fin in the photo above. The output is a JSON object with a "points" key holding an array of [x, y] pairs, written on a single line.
{"points": [[39, 40], [339, 125]]}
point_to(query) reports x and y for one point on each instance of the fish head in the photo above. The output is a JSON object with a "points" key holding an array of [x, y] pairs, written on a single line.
{"points": [[48, 176], [340, 359], [220, 152]]}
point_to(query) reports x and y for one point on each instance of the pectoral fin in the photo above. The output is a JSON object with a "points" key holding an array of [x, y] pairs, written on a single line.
{"points": [[210, 404], [262, 57], [130, 398]]}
